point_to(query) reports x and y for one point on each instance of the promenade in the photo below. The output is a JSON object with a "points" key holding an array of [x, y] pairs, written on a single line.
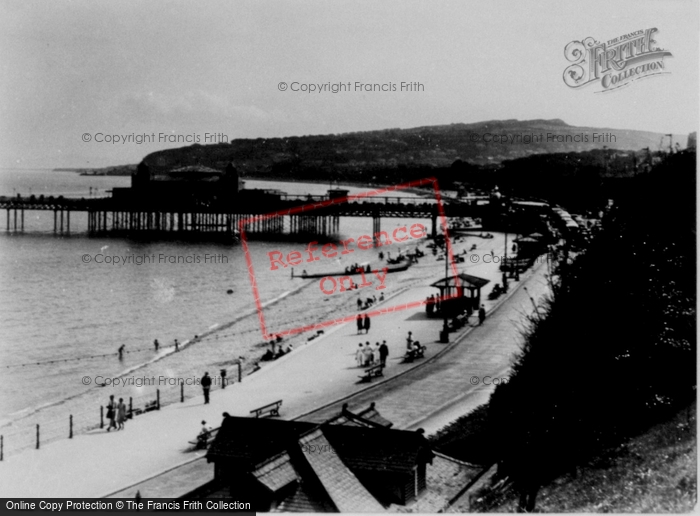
{"points": [[313, 381]]}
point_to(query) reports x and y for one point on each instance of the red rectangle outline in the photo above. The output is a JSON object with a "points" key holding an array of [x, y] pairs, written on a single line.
{"points": [[329, 202]]}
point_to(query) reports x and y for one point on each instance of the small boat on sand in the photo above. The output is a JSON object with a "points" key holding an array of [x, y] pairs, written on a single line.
{"points": [[389, 269]]}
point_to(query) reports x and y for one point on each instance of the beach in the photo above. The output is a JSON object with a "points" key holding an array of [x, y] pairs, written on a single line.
{"points": [[315, 373], [86, 304]]}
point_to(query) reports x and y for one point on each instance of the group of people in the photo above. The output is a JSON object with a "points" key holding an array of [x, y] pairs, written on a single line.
{"points": [[116, 413], [363, 323], [156, 347], [351, 269], [364, 305], [367, 355], [271, 355], [432, 304]]}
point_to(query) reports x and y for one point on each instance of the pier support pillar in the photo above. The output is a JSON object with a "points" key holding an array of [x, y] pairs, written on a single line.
{"points": [[376, 228]]}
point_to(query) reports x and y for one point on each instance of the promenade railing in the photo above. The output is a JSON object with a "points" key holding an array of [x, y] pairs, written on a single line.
{"points": [[25, 435]]}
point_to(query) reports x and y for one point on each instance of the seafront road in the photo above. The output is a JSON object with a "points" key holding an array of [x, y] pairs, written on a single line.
{"points": [[314, 380]]}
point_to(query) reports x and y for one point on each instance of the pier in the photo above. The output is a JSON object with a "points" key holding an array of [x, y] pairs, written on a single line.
{"points": [[294, 214]]}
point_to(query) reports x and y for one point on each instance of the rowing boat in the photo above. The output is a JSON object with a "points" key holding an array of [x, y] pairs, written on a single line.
{"points": [[389, 269]]}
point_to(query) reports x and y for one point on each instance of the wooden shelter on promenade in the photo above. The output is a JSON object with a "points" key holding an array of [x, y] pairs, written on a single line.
{"points": [[458, 294]]}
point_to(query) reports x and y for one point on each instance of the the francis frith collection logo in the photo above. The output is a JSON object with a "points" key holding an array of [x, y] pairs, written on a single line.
{"points": [[614, 63]]}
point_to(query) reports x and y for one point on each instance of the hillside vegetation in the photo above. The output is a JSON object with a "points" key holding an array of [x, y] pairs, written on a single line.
{"points": [[373, 153], [611, 354]]}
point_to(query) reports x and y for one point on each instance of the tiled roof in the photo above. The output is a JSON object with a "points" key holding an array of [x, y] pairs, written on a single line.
{"points": [[373, 415], [379, 449], [276, 472], [343, 487], [302, 501], [368, 417], [251, 441], [470, 280], [342, 419]]}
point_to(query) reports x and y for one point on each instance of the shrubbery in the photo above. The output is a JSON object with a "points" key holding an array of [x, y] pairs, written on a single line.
{"points": [[613, 351]]}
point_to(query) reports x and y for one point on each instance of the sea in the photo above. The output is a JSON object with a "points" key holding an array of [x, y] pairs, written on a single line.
{"points": [[69, 302]]}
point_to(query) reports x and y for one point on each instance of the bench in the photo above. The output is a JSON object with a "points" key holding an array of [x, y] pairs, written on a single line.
{"points": [[273, 409], [204, 439], [372, 372], [458, 322], [410, 356]]}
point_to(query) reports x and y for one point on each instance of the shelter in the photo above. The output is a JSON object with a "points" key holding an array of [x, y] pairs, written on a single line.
{"points": [[453, 294]]}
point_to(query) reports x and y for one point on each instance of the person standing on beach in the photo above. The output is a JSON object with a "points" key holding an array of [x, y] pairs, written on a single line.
{"points": [[409, 342], [367, 323], [206, 385], [360, 324], [383, 353], [482, 315], [177, 345], [111, 413], [121, 414], [155, 344], [121, 352]]}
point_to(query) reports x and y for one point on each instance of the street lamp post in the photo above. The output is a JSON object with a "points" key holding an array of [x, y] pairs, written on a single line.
{"points": [[445, 334]]}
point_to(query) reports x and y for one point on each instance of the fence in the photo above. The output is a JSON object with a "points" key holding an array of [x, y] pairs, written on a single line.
{"points": [[26, 436]]}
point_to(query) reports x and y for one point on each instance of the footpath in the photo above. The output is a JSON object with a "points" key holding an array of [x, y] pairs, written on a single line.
{"points": [[313, 380]]}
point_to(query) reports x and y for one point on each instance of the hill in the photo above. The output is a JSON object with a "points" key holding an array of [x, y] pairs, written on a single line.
{"points": [[483, 143]]}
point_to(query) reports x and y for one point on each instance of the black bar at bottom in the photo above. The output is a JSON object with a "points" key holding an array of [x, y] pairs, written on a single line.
{"points": [[55, 505]]}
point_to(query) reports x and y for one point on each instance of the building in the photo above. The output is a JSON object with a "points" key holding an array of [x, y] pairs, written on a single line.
{"points": [[354, 462], [182, 186]]}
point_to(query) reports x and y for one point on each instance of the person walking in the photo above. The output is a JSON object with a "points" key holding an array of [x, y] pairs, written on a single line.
{"points": [[367, 323], [383, 353], [111, 413], [360, 325], [482, 315], [206, 385], [121, 414]]}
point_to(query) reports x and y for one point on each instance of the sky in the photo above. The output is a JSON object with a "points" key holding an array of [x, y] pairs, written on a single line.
{"points": [[70, 68]]}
